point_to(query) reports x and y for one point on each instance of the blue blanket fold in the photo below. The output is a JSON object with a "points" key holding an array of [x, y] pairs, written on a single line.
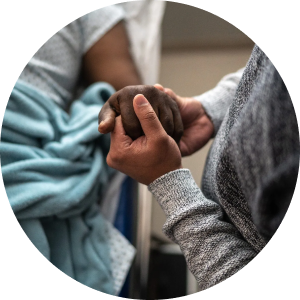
{"points": [[54, 170]]}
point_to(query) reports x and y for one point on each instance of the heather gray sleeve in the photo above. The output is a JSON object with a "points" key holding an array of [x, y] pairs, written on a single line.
{"points": [[214, 249], [217, 100]]}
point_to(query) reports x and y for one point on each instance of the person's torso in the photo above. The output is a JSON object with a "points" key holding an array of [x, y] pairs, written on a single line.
{"points": [[246, 151]]}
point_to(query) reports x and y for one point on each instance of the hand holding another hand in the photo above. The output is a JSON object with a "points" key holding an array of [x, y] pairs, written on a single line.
{"points": [[121, 103], [198, 128], [149, 156]]}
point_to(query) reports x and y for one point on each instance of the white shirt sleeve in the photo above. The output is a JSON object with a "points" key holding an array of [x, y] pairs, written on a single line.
{"points": [[143, 23]]}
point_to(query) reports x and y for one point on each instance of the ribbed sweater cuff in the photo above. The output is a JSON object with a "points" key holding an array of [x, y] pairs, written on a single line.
{"points": [[174, 190]]}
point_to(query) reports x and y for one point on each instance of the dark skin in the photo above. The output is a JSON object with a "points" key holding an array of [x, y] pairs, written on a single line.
{"points": [[121, 103], [109, 60]]}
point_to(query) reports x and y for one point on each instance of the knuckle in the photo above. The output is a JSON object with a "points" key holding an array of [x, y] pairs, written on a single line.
{"points": [[151, 88], [154, 90], [151, 92], [130, 91], [126, 89]]}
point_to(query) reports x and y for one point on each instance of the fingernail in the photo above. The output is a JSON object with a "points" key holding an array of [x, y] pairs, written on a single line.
{"points": [[141, 100]]}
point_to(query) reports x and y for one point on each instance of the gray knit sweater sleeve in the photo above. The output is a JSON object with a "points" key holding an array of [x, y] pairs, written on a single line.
{"points": [[217, 100], [214, 250]]}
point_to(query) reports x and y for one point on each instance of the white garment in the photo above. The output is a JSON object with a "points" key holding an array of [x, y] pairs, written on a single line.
{"points": [[121, 256], [143, 22], [55, 67]]}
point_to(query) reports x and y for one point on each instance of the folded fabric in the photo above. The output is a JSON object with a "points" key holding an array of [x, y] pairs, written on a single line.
{"points": [[54, 171]]}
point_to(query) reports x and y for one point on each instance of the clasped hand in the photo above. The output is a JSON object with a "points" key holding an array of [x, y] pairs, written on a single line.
{"points": [[149, 134], [121, 103], [151, 155]]}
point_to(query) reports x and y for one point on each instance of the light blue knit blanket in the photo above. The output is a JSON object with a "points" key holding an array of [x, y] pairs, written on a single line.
{"points": [[54, 171]]}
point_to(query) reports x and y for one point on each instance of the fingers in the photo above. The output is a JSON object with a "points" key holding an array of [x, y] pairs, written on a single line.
{"points": [[171, 121], [107, 115], [159, 98], [175, 97], [147, 117], [178, 125], [170, 92], [106, 120], [166, 119], [119, 143], [170, 115], [159, 87], [130, 121]]}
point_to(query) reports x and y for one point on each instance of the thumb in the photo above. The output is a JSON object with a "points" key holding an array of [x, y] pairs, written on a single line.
{"points": [[147, 116]]}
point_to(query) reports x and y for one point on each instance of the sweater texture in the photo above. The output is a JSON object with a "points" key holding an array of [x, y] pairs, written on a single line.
{"points": [[249, 177]]}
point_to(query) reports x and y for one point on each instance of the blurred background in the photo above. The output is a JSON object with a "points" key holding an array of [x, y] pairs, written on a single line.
{"points": [[198, 49]]}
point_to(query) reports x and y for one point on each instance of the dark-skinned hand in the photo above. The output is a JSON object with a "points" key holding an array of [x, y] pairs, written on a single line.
{"points": [[121, 103]]}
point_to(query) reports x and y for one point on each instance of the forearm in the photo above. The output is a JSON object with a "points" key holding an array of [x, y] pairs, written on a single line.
{"points": [[214, 250]]}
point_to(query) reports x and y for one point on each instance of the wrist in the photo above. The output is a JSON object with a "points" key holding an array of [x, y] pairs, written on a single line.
{"points": [[163, 173], [160, 177], [172, 189]]}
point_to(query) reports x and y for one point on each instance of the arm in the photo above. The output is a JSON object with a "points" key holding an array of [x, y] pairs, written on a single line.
{"points": [[200, 119], [214, 249], [202, 115], [109, 60], [216, 101]]}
